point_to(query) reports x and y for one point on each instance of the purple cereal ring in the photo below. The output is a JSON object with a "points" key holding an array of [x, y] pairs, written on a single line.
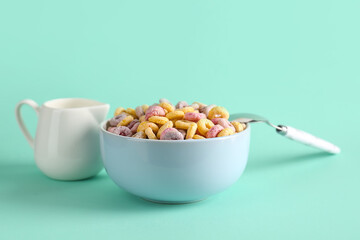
{"points": [[181, 104], [183, 132], [115, 120], [171, 134], [214, 131], [123, 131], [139, 111], [134, 128], [207, 109], [194, 116], [154, 111], [133, 125], [223, 122]]}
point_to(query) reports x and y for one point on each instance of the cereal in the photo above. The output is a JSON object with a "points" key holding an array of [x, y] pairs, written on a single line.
{"points": [[171, 134], [145, 107], [239, 127], [167, 106], [183, 132], [118, 118], [149, 133], [133, 125], [163, 121], [139, 111], [158, 120], [206, 109], [201, 105], [181, 104], [147, 124], [164, 100], [182, 124], [218, 112], [111, 129], [140, 134], [204, 126], [214, 131], [195, 106], [123, 131], [226, 132], [191, 131], [142, 118], [168, 124], [125, 121], [131, 111], [197, 136], [154, 111], [223, 122], [175, 115], [193, 116], [186, 109], [118, 111]]}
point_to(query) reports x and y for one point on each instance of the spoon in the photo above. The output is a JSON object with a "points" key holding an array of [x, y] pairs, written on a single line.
{"points": [[289, 132]]}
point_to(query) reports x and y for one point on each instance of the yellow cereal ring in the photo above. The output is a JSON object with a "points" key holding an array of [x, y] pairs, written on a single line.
{"points": [[131, 112], [149, 133], [144, 125], [191, 131], [239, 127], [125, 121], [145, 107], [175, 115], [182, 124], [226, 132], [187, 109], [204, 126], [167, 106], [218, 112], [168, 124], [197, 136], [142, 118], [174, 121], [118, 111], [158, 120]]}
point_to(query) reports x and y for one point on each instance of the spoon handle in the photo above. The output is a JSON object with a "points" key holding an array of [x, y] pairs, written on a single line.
{"points": [[307, 139]]}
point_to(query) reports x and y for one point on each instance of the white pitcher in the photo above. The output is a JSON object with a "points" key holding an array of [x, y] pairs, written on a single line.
{"points": [[66, 144]]}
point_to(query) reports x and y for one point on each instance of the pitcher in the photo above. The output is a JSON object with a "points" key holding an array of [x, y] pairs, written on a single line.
{"points": [[66, 145]]}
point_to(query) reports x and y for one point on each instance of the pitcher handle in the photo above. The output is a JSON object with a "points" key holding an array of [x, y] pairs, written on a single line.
{"points": [[20, 121]]}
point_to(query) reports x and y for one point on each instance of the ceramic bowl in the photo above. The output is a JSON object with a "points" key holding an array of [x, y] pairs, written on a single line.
{"points": [[169, 171]]}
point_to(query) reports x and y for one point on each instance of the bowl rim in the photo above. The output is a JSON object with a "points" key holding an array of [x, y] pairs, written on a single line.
{"points": [[103, 124]]}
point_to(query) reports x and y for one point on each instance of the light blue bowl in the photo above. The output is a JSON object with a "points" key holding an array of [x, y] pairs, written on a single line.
{"points": [[174, 171]]}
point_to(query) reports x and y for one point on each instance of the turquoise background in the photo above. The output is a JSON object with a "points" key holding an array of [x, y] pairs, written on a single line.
{"points": [[296, 62]]}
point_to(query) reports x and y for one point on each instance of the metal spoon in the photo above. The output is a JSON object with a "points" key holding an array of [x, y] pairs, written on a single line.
{"points": [[289, 132]]}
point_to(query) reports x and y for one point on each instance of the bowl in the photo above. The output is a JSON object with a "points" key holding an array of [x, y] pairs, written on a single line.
{"points": [[180, 171]]}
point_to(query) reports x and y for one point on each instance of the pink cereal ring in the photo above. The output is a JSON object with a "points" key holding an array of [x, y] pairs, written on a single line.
{"points": [[111, 129], [194, 116], [123, 131], [154, 111], [214, 131], [223, 122], [171, 134]]}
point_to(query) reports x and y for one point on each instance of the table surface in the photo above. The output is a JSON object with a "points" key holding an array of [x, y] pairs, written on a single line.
{"points": [[296, 62]]}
